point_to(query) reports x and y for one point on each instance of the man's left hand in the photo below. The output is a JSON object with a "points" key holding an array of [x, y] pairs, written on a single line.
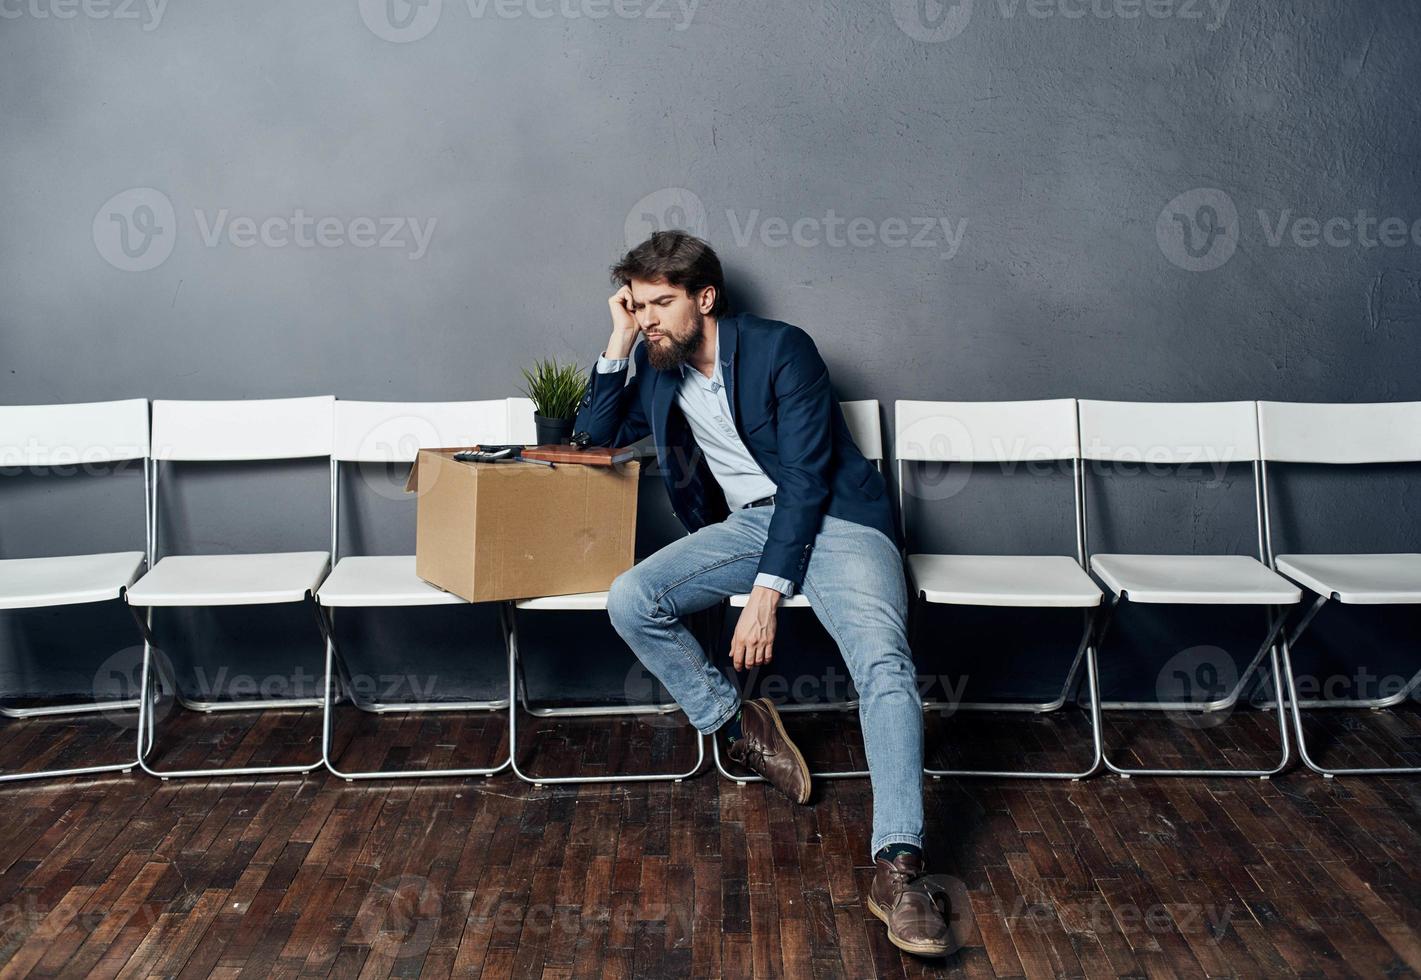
{"points": [[754, 639]]}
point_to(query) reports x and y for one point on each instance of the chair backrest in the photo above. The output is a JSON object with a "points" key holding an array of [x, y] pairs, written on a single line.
{"points": [[231, 431], [1175, 433], [1003, 432], [985, 432], [864, 426], [1310, 432], [65, 435], [394, 432]]}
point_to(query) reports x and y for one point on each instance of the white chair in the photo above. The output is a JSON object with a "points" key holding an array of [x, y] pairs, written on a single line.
{"points": [[228, 431], [1174, 435], [43, 436], [1005, 433], [1292, 432], [867, 431], [394, 432], [577, 603]]}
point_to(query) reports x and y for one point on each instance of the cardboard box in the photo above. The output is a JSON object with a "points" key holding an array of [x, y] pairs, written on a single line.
{"points": [[489, 531]]}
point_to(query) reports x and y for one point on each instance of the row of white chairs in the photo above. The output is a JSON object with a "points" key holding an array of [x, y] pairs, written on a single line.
{"points": [[1060, 430]]}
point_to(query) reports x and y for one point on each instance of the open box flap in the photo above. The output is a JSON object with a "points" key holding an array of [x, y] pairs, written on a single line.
{"points": [[412, 481]]}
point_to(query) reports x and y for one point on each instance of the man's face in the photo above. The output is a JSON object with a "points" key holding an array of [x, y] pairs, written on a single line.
{"points": [[670, 320]]}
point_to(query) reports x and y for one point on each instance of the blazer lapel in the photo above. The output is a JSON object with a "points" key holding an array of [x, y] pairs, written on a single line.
{"points": [[728, 336], [662, 395]]}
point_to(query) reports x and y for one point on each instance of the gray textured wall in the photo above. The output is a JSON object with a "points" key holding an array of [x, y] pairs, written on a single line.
{"points": [[991, 199]]}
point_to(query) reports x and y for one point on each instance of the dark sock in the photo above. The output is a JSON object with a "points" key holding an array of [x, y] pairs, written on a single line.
{"points": [[731, 729], [893, 850]]}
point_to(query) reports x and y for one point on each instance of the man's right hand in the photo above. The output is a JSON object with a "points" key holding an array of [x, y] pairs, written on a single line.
{"points": [[624, 326]]}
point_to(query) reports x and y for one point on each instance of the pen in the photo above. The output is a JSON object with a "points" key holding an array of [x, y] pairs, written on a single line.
{"points": [[540, 462]]}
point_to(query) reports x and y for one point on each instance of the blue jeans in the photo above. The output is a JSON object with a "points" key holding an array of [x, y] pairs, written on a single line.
{"points": [[854, 582]]}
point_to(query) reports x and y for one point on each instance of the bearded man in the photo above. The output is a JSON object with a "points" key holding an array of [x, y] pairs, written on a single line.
{"points": [[763, 472]]}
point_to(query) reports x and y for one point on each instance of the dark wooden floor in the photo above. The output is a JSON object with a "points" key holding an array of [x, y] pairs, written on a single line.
{"points": [[318, 877]]}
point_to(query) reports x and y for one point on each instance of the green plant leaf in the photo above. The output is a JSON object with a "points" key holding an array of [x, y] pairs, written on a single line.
{"points": [[555, 389]]}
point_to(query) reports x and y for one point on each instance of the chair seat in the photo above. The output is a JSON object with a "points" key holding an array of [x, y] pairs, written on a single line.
{"points": [[380, 580], [1201, 579], [230, 580], [1003, 580], [578, 600], [29, 583], [1361, 579]]}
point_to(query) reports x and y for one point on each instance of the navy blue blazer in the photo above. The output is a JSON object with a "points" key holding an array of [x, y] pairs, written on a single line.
{"points": [[787, 416]]}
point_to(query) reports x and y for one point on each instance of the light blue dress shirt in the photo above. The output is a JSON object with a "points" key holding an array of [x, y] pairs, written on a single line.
{"points": [[707, 410]]}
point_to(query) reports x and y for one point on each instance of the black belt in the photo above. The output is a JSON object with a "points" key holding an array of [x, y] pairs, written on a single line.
{"points": [[762, 502]]}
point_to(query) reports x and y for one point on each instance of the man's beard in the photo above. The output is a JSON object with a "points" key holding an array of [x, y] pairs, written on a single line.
{"points": [[672, 352]]}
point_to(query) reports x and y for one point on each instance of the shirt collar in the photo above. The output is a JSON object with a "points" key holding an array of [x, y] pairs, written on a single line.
{"points": [[713, 383]]}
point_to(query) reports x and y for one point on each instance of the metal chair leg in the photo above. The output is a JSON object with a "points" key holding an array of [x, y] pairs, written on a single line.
{"points": [[119, 767], [508, 615], [1221, 704], [742, 779], [1085, 650], [147, 723], [61, 710], [1026, 707], [1318, 704], [1296, 708], [849, 705], [592, 710], [1270, 648], [333, 661]]}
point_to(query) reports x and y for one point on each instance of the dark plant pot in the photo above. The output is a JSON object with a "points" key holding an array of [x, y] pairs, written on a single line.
{"points": [[552, 432]]}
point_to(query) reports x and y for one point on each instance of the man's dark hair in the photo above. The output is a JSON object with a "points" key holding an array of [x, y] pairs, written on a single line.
{"points": [[680, 259]]}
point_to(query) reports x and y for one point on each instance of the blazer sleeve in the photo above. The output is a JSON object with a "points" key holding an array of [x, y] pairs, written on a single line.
{"points": [[611, 411], [803, 428]]}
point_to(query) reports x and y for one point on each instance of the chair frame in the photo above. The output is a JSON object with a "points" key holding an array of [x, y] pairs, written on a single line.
{"points": [[149, 688], [850, 408], [1277, 616], [1085, 647], [92, 707], [337, 672], [518, 696], [1289, 638]]}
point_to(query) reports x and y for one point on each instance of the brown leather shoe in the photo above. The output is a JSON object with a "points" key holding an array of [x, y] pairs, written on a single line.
{"points": [[913, 908], [763, 747]]}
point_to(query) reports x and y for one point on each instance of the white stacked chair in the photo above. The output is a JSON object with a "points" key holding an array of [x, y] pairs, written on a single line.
{"points": [[43, 436], [389, 433], [1005, 433], [864, 425], [576, 603], [1342, 435], [228, 431], [1175, 435]]}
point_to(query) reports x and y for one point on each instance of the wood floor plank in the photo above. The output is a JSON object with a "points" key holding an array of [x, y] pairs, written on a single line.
{"points": [[315, 876]]}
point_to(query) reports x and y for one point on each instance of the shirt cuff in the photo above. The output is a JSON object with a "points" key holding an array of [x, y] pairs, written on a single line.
{"points": [[781, 585], [610, 365]]}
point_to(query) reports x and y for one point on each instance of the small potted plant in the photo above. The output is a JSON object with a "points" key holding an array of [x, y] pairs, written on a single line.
{"points": [[556, 389]]}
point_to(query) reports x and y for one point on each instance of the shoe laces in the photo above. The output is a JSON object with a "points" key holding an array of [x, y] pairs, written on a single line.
{"points": [[753, 754], [903, 878]]}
